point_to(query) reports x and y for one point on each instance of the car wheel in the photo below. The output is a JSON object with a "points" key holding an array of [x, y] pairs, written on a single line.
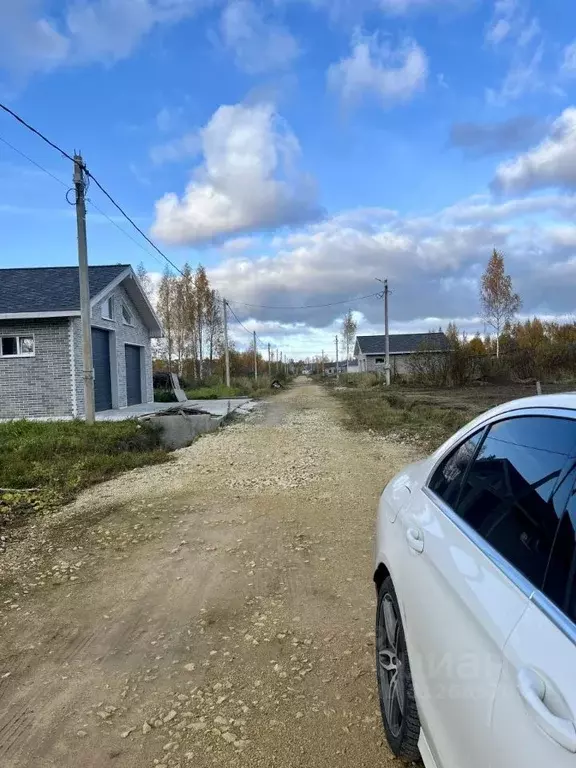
{"points": [[397, 702]]}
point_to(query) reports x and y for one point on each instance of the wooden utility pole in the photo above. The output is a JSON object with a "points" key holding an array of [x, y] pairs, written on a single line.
{"points": [[88, 365], [255, 356], [322, 362], [269, 360], [337, 371], [386, 331], [226, 353]]}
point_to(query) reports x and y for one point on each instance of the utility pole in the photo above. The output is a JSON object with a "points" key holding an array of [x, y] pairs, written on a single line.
{"points": [[226, 354], [255, 357], [386, 331], [322, 362], [269, 361], [337, 371], [88, 366]]}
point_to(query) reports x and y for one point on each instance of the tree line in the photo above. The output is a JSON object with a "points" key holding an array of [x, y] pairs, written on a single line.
{"points": [[513, 349], [191, 313]]}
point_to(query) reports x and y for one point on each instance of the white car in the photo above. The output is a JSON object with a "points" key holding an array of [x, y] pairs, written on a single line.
{"points": [[476, 576]]}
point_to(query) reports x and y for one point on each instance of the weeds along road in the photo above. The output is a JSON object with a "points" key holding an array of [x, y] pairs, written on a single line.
{"points": [[217, 610]]}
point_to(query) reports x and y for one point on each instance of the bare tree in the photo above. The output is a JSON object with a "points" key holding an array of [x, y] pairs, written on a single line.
{"points": [[215, 326], [349, 328], [203, 302], [189, 314], [145, 281], [497, 298], [165, 310]]}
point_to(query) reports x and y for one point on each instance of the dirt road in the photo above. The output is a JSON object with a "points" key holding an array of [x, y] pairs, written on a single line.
{"points": [[217, 610]]}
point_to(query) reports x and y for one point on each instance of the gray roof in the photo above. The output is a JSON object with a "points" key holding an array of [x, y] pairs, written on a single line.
{"points": [[50, 289], [402, 342]]}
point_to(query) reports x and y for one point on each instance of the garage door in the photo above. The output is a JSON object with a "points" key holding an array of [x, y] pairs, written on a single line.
{"points": [[133, 375], [101, 359]]}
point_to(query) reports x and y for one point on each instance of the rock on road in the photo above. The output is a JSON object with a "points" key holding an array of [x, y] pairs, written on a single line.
{"points": [[215, 610]]}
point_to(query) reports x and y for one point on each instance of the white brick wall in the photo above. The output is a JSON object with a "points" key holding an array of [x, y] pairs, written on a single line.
{"points": [[40, 385], [123, 334]]}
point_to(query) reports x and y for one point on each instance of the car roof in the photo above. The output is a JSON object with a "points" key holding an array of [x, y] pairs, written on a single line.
{"points": [[560, 400], [563, 401]]}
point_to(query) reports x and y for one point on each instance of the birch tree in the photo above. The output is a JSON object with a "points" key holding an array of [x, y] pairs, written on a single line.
{"points": [[165, 310], [349, 328], [497, 298]]}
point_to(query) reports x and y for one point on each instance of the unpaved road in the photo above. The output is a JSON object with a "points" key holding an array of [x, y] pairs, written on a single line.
{"points": [[217, 610]]}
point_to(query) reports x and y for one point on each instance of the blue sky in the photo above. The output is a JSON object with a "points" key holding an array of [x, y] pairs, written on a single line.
{"points": [[301, 148]]}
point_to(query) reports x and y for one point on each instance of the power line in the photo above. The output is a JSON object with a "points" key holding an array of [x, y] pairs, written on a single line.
{"points": [[91, 202], [90, 176], [308, 306], [136, 227], [45, 170], [41, 135], [240, 323]]}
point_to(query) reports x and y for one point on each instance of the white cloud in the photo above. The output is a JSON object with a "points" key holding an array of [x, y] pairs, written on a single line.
{"points": [[434, 265], [568, 65], [374, 67], [87, 30], [512, 28], [238, 244], [188, 145], [398, 7], [482, 209], [259, 44], [28, 39], [247, 181], [552, 163], [498, 31], [502, 21], [523, 77]]}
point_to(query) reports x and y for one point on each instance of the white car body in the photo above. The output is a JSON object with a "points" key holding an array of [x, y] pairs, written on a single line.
{"points": [[492, 659]]}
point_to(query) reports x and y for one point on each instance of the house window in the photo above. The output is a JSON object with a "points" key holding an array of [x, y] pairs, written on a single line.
{"points": [[380, 360], [17, 346], [108, 308], [127, 315]]}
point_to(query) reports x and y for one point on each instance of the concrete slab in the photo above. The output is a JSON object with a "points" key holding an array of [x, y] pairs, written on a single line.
{"points": [[213, 407]]}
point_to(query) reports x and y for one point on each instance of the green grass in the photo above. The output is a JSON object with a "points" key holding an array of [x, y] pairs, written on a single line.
{"points": [[407, 419], [242, 386], [215, 392], [58, 459], [425, 415]]}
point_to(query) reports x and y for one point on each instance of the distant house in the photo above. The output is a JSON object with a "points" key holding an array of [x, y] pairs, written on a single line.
{"points": [[330, 368], [371, 351], [41, 368]]}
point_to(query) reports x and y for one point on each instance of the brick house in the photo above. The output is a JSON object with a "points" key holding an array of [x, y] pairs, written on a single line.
{"points": [[41, 370], [370, 350]]}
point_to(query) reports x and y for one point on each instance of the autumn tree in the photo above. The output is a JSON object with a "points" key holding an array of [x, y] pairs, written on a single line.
{"points": [[145, 281], [497, 298], [203, 300], [349, 328], [476, 345], [215, 327], [165, 309]]}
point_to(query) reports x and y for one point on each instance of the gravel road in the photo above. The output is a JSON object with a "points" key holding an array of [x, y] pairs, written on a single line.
{"points": [[217, 610]]}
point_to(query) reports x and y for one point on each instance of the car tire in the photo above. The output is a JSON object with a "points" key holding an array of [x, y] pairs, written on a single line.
{"points": [[396, 692]]}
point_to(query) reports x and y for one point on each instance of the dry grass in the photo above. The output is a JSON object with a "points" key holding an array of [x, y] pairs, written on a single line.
{"points": [[424, 415]]}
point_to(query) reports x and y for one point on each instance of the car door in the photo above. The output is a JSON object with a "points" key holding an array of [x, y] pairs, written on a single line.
{"points": [[462, 598], [534, 722]]}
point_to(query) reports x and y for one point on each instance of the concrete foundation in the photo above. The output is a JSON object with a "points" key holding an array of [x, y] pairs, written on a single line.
{"points": [[181, 429]]}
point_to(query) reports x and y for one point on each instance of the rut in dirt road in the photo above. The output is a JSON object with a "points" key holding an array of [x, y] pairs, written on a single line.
{"points": [[216, 610]]}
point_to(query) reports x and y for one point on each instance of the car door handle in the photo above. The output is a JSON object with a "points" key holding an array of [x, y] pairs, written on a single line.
{"points": [[533, 690], [415, 540]]}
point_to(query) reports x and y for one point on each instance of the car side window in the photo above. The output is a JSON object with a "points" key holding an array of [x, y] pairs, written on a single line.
{"points": [[447, 480], [560, 583], [510, 495]]}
